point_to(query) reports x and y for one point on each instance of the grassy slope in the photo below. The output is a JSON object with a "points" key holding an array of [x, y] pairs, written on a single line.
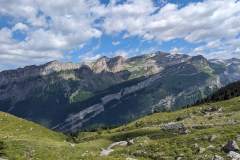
{"points": [[153, 143], [24, 140], [150, 142]]}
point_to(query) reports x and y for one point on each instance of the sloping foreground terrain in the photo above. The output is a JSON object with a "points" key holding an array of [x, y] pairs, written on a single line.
{"points": [[199, 132], [69, 97], [24, 140]]}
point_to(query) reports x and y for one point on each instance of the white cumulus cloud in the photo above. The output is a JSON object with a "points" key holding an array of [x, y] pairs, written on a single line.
{"points": [[54, 27]]}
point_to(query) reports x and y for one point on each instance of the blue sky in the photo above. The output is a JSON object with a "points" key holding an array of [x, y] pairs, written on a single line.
{"points": [[36, 31]]}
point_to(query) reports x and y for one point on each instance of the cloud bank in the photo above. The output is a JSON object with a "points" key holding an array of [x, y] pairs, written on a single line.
{"points": [[52, 28]]}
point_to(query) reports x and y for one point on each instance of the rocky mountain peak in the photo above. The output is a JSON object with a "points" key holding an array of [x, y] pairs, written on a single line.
{"points": [[104, 63], [116, 63], [100, 64], [199, 59]]}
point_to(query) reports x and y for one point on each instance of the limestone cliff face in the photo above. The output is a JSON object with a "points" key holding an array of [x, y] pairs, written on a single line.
{"points": [[56, 66]]}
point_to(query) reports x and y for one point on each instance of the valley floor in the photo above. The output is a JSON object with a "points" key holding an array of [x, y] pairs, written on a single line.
{"points": [[198, 132]]}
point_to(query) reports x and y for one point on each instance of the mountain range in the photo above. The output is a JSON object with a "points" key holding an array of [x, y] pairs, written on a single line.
{"points": [[69, 97], [207, 131]]}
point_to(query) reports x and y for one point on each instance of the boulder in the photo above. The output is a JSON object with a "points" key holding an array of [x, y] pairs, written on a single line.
{"points": [[211, 109], [180, 157], [130, 142], [210, 147], [172, 126], [183, 130], [201, 150], [196, 145], [72, 144], [238, 137], [234, 155], [212, 138], [230, 146], [217, 157], [175, 127]]}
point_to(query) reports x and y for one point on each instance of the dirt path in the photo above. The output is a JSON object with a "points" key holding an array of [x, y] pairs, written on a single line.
{"points": [[106, 152]]}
